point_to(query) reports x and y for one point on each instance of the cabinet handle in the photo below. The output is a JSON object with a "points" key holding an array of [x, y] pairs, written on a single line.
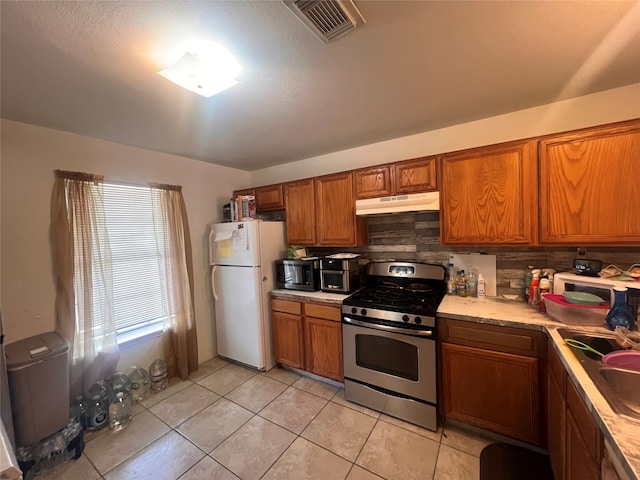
{"points": [[388, 328]]}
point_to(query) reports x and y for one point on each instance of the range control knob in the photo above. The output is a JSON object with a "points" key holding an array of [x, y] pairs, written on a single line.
{"points": [[418, 320], [354, 310], [405, 318], [363, 312]]}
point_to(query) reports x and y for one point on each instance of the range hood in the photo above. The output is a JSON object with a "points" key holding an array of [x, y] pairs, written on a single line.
{"points": [[415, 202]]}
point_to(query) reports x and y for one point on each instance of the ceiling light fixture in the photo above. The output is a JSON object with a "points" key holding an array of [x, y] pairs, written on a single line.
{"points": [[206, 70]]}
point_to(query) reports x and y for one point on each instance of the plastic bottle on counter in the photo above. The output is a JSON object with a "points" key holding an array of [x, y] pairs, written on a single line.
{"points": [[451, 282], [472, 283], [543, 289], [527, 280], [620, 315], [533, 288], [462, 284], [481, 287]]}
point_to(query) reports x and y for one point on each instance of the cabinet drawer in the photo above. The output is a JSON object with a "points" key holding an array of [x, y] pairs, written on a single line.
{"points": [[518, 341], [318, 310], [584, 422], [287, 306]]}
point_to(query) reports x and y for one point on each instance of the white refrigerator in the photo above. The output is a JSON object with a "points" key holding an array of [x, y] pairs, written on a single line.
{"points": [[242, 256]]}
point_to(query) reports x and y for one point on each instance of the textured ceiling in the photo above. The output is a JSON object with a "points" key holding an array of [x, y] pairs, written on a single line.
{"points": [[89, 67]]}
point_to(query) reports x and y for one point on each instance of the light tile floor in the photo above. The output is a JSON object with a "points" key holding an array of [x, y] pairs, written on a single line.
{"points": [[228, 422]]}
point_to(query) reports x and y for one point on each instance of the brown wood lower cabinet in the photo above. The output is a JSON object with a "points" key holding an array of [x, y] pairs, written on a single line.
{"points": [[575, 441], [308, 335], [492, 390], [490, 377]]}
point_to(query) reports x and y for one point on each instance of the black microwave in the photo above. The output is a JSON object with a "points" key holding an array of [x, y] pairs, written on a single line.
{"points": [[298, 274]]}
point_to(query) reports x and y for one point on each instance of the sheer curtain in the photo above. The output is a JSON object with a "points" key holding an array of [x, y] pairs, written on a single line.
{"points": [[82, 274], [176, 275]]}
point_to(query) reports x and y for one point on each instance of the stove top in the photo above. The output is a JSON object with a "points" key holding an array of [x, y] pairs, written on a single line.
{"points": [[402, 293]]}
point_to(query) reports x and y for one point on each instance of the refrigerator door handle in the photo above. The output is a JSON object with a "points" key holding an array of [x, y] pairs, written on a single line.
{"points": [[213, 282]]}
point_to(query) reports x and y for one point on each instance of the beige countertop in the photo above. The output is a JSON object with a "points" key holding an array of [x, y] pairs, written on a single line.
{"points": [[302, 295], [621, 433]]}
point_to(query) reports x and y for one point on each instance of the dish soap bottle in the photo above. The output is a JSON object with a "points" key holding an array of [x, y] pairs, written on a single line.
{"points": [[619, 315]]}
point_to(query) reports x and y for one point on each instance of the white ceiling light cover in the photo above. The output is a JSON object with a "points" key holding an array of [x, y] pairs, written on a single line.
{"points": [[206, 70]]}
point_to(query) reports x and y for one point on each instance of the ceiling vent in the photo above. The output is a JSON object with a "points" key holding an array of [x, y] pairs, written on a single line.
{"points": [[329, 20]]}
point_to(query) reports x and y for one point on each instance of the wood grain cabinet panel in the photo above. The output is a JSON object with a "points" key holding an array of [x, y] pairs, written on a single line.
{"points": [[300, 204], [415, 176], [308, 335], [324, 347], [288, 339], [270, 197], [489, 195], [579, 465], [492, 390], [246, 191], [589, 190], [374, 182], [335, 214], [556, 412]]}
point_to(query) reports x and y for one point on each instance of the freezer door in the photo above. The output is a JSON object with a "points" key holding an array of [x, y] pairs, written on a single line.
{"points": [[240, 326], [234, 243]]}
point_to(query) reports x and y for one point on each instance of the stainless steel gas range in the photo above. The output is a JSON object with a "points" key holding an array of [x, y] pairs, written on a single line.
{"points": [[389, 340]]}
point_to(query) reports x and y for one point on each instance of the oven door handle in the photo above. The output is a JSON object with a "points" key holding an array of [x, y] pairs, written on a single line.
{"points": [[388, 328]]}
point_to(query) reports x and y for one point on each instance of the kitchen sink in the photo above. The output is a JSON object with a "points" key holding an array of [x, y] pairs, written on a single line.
{"points": [[619, 387], [626, 385]]}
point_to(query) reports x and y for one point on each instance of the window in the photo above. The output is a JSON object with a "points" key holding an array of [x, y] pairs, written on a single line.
{"points": [[136, 246]]}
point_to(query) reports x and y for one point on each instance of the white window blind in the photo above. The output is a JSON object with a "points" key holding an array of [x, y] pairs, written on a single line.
{"points": [[136, 252]]}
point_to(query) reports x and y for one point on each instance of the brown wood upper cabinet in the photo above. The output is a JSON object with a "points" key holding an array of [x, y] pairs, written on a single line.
{"points": [[269, 197], [489, 195], [321, 211], [300, 205], [411, 176], [589, 191]]}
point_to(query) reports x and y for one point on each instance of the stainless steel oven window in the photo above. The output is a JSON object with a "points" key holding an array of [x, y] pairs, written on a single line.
{"points": [[387, 355]]}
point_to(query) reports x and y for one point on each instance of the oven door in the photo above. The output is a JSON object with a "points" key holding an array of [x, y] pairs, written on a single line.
{"points": [[397, 362]]}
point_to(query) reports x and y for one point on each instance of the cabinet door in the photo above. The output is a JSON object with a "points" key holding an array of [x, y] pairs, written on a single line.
{"points": [[489, 195], [589, 186], [300, 204], [579, 463], [556, 425], [374, 182], [492, 390], [246, 191], [415, 176], [270, 197], [335, 216], [288, 344], [323, 352]]}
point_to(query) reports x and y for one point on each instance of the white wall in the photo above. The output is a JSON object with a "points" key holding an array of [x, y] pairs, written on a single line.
{"points": [[30, 155], [596, 109]]}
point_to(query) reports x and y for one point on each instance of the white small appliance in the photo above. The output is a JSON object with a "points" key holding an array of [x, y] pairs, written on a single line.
{"points": [[242, 256], [603, 287]]}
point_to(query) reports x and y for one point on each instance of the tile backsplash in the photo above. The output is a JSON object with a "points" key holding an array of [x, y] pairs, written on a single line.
{"points": [[416, 236]]}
